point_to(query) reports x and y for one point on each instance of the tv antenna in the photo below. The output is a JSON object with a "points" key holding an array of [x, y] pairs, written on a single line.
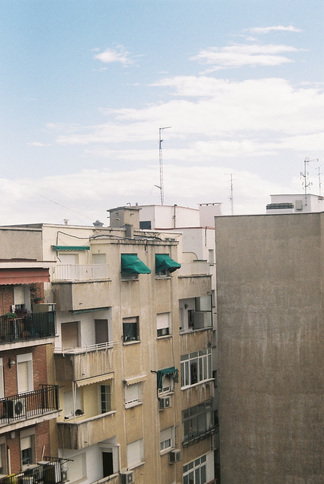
{"points": [[161, 187], [305, 175]]}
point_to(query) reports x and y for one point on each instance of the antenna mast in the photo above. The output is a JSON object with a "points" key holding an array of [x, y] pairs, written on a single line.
{"points": [[161, 187], [231, 197]]}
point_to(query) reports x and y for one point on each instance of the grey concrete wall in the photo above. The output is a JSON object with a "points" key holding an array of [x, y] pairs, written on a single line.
{"points": [[271, 348]]}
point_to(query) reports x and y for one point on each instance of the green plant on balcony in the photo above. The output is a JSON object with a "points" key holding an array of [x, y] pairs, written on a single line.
{"points": [[10, 315]]}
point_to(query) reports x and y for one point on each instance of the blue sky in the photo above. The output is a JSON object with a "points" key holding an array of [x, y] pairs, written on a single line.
{"points": [[86, 85]]}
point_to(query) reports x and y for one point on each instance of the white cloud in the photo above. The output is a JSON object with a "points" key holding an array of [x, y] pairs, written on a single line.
{"points": [[274, 28], [119, 55], [252, 115], [85, 197], [238, 55]]}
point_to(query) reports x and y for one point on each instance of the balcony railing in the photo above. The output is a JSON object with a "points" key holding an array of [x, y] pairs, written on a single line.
{"points": [[32, 326], [25, 406], [74, 272], [49, 471], [194, 268]]}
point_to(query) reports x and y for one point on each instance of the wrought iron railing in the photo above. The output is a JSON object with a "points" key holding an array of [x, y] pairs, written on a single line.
{"points": [[28, 405], [49, 471], [31, 326]]}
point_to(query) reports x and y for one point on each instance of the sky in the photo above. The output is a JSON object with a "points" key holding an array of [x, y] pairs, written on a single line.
{"points": [[85, 87]]}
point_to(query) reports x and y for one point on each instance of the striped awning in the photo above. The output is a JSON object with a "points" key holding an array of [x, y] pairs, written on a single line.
{"points": [[94, 379], [23, 276], [135, 379]]}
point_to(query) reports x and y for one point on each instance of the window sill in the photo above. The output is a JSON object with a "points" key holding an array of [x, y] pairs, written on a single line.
{"points": [[133, 404], [187, 387], [128, 343], [188, 331], [166, 336], [139, 464], [157, 276], [166, 451]]}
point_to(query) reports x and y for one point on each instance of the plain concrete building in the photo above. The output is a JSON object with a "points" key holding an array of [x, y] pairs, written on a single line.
{"points": [[271, 350]]}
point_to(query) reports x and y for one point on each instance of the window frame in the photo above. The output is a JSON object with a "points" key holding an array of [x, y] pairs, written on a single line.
{"points": [[25, 358], [134, 321], [163, 327], [204, 367], [30, 435], [129, 403], [105, 397], [131, 447], [197, 421], [166, 437], [193, 471]]}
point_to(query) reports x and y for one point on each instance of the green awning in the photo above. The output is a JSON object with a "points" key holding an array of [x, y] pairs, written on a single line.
{"points": [[71, 247], [131, 264], [171, 371], [163, 262]]}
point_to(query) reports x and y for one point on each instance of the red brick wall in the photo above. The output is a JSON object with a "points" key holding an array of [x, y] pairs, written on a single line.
{"points": [[42, 443], [6, 299], [39, 368]]}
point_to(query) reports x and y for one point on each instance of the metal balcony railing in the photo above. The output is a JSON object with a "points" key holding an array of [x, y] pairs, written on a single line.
{"points": [[25, 406], [49, 471], [31, 326]]}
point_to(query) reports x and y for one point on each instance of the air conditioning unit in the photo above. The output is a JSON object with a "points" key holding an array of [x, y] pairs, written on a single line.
{"points": [[19, 407], [174, 456], [127, 477], [15, 408], [165, 402]]}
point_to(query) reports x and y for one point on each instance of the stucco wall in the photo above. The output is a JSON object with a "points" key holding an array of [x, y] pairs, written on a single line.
{"points": [[271, 358]]}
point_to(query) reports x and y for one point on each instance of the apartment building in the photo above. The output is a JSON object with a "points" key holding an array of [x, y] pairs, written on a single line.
{"points": [[132, 352], [271, 358], [28, 395]]}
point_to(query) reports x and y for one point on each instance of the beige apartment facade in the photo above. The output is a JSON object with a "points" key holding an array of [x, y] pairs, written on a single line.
{"points": [[133, 352], [271, 358]]}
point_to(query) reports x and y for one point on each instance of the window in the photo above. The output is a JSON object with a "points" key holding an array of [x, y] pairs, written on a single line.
{"points": [[166, 379], [70, 335], [25, 373], [195, 471], [105, 398], [196, 313], [3, 456], [133, 394], [135, 453], [196, 367], [163, 324], [101, 331], [27, 447], [197, 421], [166, 439], [130, 329]]}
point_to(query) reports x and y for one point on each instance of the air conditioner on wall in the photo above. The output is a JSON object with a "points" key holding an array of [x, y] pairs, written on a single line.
{"points": [[174, 456], [164, 402], [127, 477], [15, 408]]}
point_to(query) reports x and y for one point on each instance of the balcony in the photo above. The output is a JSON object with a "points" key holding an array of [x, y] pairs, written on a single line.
{"points": [[73, 273], [38, 405], [81, 363], [49, 471], [30, 326], [87, 432], [81, 287]]}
